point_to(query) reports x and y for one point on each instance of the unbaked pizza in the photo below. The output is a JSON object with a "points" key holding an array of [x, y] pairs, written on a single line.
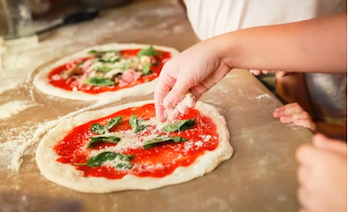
{"points": [[109, 71], [125, 147]]}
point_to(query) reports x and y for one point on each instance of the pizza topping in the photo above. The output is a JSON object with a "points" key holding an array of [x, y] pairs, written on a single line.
{"points": [[152, 143], [148, 52], [109, 70], [71, 71], [120, 161], [105, 139], [99, 129], [180, 126], [136, 124], [105, 55], [99, 81], [113, 122], [157, 153]]}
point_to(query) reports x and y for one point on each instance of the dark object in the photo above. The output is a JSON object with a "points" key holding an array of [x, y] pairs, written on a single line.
{"points": [[74, 18], [80, 16], [103, 4]]}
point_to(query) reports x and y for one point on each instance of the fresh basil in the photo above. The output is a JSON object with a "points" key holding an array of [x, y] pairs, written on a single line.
{"points": [[180, 126], [113, 122], [136, 124], [99, 81], [104, 69], [154, 142], [101, 53], [100, 129], [148, 52], [97, 128], [146, 69], [125, 66], [98, 160], [102, 139]]}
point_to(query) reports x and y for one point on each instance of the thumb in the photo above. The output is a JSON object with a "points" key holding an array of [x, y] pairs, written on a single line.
{"points": [[323, 142], [177, 93]]}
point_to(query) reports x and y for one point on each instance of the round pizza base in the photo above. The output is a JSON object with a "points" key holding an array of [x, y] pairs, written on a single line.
{"points": [[66, 175], [41, 81]]}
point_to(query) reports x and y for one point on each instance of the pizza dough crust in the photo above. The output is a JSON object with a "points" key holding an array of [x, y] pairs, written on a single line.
{"points": [[66, 175], [41, 80]]}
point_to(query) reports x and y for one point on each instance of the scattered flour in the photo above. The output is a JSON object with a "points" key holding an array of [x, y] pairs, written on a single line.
{"points": [[267, 96], [12, 108], [19, 139]]}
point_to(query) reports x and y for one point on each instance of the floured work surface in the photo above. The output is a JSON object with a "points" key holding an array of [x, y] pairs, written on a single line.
{"points": [[259, 177]]}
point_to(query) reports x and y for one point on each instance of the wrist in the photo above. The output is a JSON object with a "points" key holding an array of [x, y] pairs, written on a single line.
{"points": [[220, 49]]}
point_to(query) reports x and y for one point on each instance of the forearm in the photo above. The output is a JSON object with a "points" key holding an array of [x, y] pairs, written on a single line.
{"points": [[317, 45]]}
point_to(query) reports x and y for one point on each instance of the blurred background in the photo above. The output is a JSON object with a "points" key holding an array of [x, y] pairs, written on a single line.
{"points": [[23, 17]]}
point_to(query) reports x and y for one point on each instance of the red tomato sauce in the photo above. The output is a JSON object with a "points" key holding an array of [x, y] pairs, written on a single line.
{"points": [[66, 84], [73, 148]]}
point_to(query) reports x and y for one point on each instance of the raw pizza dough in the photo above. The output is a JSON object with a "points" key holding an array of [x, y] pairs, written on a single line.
{"points": [[66, 175], [41, 80]]}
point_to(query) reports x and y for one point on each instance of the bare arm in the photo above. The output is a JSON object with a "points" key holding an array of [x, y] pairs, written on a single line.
{"points": [[317, 45]]}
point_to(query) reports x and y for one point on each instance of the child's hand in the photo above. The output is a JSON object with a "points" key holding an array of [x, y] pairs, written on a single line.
{"points": [[322, 175], [296, 114], [197, 69]]}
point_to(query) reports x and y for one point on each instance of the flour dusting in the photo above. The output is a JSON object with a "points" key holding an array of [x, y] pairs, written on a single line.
{"points": [[12, 108], [263, 96]]}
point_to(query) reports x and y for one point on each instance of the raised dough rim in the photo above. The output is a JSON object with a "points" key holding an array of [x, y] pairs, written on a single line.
{"points": [[41, 80], [67, 176]]}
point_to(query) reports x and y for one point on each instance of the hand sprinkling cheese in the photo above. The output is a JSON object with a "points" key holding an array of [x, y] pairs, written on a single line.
{"points": [[181, 108]]}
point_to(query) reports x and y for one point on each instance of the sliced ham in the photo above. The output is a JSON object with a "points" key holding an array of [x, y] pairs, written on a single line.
{"points": [[129, 77]]}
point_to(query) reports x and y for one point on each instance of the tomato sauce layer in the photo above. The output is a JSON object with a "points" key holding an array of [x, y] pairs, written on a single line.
{"points": [[157, 161], [68, 84]]}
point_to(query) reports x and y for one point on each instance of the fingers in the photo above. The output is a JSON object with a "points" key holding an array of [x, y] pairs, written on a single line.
{"points": [[293, 113], [255, 72], [177, 93], [165, 84], [303, 174], [296, 116], [306, 155], [280, 74], [258, 72], [306, 122], [160, 93], [303, 197], [288, 109], [335, 146]]}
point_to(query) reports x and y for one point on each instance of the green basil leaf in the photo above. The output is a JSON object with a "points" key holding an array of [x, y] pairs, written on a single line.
{"points": [[125, 66], [104, 69], [146, 69], [99, 81], [100, 139], [101, 53], [148, 52], [97, 128], [154, 142], [98, 160], [180, 126], [113, 122], [136, 124]]}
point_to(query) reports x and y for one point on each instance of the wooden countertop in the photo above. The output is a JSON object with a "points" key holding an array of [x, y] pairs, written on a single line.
{"points": [[259, 177]]}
